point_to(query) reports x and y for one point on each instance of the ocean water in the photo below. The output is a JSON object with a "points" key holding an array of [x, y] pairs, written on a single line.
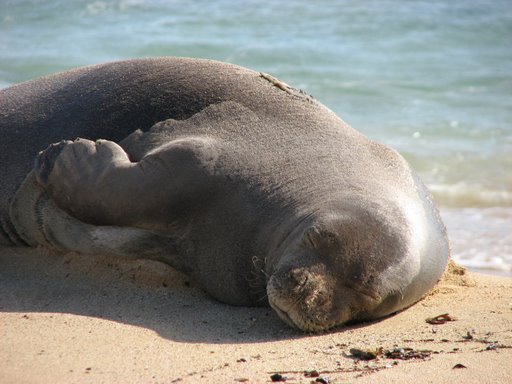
{"points": [[433, 79]]}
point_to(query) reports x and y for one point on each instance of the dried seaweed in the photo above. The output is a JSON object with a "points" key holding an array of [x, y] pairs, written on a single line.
{"points": [[407, 354], [366, 354], [440, 319]]}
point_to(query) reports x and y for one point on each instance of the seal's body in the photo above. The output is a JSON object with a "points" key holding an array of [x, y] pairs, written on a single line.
{"points": [[250, 186]]}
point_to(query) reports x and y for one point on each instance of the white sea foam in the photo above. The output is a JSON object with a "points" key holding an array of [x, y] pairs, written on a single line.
{"points": [[97, 7], [481, 239], [463, 194]]}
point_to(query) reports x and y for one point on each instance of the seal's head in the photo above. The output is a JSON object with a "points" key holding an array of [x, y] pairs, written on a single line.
{"points": [[340, 267]]}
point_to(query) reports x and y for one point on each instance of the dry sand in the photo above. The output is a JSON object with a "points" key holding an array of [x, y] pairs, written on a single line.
{"points": [[79, 319]]}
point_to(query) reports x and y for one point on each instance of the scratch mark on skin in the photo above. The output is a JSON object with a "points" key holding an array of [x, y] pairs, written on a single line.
{"points": [[285, 87]]}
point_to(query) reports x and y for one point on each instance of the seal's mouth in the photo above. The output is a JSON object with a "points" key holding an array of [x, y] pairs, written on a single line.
{"points": [[283, 315]]}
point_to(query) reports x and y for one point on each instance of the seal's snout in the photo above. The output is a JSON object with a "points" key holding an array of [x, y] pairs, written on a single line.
{"points": [[304, 299], [310, 299]]}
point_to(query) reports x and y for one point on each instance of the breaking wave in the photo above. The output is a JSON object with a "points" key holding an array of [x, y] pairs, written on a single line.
{"points": [[470, 195]]}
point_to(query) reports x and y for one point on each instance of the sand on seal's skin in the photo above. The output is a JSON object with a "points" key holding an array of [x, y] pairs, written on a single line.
{"points": [[67, 318]]}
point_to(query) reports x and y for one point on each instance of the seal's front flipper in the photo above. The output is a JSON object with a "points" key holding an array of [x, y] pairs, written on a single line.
{"points": [[84, 178], [95, 182], [46, 159], [39, 222], [75, 173]]}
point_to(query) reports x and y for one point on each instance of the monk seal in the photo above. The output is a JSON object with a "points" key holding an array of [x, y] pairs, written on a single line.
{"points": [[255, 189]]}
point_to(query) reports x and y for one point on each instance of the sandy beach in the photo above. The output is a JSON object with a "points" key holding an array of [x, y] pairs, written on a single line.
{"points": [[67, 318]]}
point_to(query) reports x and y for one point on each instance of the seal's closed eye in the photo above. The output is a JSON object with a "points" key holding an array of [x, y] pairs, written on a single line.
{"points": [[319, 238]]}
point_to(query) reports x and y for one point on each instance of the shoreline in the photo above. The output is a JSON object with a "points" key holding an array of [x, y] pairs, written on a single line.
{"points": [[74, 318]]}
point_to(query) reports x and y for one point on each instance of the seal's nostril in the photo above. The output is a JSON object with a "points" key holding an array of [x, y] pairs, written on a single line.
{"points": [[299, 277], [295, 276], [321, 300]]}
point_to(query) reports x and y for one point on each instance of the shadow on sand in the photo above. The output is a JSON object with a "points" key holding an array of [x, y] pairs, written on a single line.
{"points": [[141, 293]]}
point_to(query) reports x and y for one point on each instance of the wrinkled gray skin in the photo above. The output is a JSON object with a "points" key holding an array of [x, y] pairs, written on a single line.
{"points": [[259, 192]]}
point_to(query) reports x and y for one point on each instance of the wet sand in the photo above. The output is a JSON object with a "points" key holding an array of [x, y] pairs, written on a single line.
{"points": [[67, 318]]}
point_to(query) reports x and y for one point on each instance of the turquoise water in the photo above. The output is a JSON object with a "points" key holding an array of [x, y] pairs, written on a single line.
{"points": [[433, 79]]}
